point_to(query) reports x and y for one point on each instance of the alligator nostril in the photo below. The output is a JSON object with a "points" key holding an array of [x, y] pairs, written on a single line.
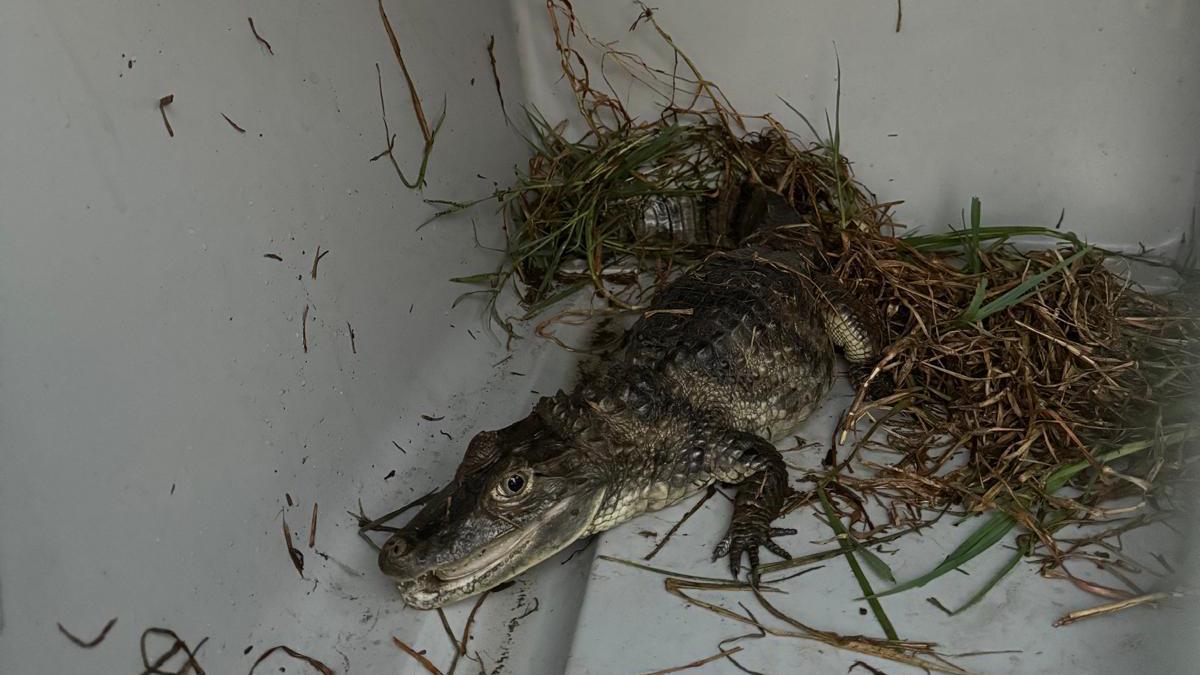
{"points": [[391, 553], [397, 548]]}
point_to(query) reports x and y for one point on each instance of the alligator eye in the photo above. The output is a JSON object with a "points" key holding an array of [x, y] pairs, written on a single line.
{"points": [[514, 484], [512, 487]]}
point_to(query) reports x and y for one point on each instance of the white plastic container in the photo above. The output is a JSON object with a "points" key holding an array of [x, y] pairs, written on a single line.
{"points": [[158, 407]]}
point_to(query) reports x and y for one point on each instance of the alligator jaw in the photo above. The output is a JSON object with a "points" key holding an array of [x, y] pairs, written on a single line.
{"points": [[503, 558], [438, 587], [497, 553]]}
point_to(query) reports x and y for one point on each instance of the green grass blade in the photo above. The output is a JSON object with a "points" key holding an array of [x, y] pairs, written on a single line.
{"points": [[464, 296], [877, 565], [1000, 574], [973, 263], [955, 239], [977, 300], [874, 562], [1015, 295], [419, 181], [836, 140], [992, 531], [847, 545], [554, 297], [801, 116], [1060, 477]]}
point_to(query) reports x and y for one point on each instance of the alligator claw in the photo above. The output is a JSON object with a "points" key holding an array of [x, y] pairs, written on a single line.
{"points": [[747, 538], [777, 549]]}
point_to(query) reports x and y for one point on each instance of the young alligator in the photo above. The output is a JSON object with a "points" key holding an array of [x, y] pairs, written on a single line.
{"points": [[729, 356]]}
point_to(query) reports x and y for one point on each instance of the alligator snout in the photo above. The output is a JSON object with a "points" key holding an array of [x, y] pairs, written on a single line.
{"points": [[391, 554]]}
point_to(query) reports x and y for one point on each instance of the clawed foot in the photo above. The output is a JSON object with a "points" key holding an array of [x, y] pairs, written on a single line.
{"points": [[746, 537]]}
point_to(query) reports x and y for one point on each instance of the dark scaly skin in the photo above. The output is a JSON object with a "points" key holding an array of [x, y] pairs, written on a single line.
{"points": [[760, 336], [728, 357]]}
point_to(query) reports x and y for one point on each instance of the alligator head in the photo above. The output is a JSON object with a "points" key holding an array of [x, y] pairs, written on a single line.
{"points": [[521, 494]]}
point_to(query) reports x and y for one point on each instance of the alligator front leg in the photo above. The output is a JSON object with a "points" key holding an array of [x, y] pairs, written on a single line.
{"points": [[856, 330], [761, 477]]}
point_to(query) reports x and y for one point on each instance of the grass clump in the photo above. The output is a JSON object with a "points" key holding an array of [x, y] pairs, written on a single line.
{"points": [[571, 217]]}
